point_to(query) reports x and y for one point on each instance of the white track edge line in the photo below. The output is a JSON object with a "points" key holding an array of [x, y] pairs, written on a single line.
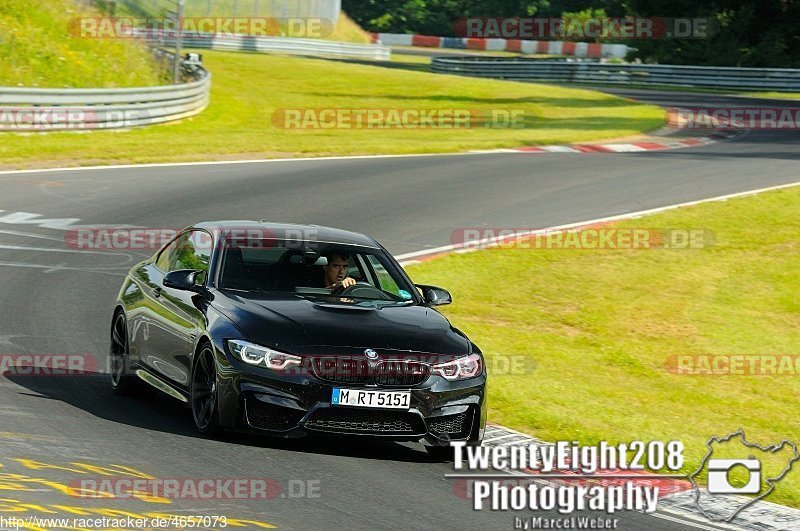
{"points": [[618, 217], [227, 162]]}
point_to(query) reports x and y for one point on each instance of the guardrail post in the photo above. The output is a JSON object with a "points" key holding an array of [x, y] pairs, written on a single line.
{"points": [[176, 72]]}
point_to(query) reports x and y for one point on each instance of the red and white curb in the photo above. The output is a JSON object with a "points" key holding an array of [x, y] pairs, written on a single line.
{"points": [[616, 147], [676, 496], [576, 49]]}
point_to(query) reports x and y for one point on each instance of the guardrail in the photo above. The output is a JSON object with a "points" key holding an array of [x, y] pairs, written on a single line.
{"points": [[778, 79], [53, 109], [252, 43]]}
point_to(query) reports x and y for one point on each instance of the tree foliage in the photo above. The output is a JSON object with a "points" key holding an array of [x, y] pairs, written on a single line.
{"points": [[761, 33]]}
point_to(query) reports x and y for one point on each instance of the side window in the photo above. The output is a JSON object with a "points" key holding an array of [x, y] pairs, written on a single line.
{"points": [[384, 278], [166, 256], [354, 269], [190, 250]]}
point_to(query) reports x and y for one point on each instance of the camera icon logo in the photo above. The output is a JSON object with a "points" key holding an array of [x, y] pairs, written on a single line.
{"points": [[747, 468], [719, 476]]}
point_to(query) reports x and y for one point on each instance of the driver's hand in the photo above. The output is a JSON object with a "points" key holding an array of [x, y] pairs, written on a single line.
{"points": [[346, 283]]}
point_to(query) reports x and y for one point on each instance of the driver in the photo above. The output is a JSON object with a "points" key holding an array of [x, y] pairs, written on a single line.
{"points": [[336, 272]]}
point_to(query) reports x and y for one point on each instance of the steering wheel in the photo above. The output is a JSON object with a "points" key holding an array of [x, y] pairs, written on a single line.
{"points": [[363, 290]]}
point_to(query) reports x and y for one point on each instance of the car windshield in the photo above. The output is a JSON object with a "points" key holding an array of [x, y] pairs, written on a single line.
{"points": [[311, 269]]}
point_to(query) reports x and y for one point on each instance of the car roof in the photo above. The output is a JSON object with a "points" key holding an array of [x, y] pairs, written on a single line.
{"points": [[292, 231]]}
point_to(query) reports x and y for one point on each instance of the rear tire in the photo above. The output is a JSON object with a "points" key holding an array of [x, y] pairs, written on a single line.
{"points": [[203, 396], [122, 381]]}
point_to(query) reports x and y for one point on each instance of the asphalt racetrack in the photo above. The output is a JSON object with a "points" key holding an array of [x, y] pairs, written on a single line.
{"points": [[56, 299]]}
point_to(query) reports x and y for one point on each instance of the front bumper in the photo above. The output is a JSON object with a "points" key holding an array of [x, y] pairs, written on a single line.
{"points": [[295, 404]]}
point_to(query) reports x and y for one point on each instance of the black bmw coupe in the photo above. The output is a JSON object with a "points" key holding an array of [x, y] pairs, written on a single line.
{"points": [[290, 329]]}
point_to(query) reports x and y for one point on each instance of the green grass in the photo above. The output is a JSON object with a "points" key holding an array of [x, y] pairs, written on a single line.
{"points": [[37, 50], [345, 30], [598, 327], [410, 58], [248, 88], [773, 95]]}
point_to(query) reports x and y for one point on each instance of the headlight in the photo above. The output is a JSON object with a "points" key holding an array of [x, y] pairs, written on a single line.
{"points": [[460, 369], [266, 357]]}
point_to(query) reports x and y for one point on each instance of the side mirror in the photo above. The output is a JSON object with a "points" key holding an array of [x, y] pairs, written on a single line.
{"points": [[435, 296], [183, 279]]}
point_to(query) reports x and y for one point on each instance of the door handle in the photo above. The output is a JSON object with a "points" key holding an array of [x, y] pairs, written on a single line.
{"points": [[156, 292]]}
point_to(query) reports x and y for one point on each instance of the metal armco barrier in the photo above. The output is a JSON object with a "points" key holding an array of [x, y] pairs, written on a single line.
{"points": [[249, 43], [51, 109], [779, 79]]}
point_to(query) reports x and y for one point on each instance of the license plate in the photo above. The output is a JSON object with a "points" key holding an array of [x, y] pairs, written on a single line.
{"points": [[364, 398]]}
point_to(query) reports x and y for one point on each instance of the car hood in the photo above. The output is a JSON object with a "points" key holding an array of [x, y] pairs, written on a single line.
{"points": [[328, 326]]}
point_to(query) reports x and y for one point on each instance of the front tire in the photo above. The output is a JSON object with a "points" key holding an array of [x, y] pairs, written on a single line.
{"points": [[122, 381], [203, 398]]}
